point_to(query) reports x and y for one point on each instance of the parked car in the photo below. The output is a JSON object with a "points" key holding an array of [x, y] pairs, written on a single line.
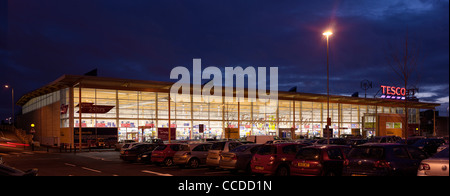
{"points": [[6, 170], [385, 139], [214, 154], [100, 143], [261, 139], [355, 142], [132, 154], [274, 159], [192, 155], [164, 154], [146, 157], [325, 160], [429, 145], [442, 147], [121, 144], [383, 159], [239, 158], [436, 165], [413, 139], [335, 141]]}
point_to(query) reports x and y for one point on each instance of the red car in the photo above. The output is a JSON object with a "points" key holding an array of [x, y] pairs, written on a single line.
{"points": [[164, 154], [326, 160], [274, 159]]}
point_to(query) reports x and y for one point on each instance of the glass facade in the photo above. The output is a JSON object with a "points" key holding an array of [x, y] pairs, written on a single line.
{"points": [[138, 114]]}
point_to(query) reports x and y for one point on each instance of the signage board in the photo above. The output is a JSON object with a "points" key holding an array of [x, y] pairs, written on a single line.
{"points": [[90, 108], [201, 128], [399, 93], [163, 133], [232, 133]]}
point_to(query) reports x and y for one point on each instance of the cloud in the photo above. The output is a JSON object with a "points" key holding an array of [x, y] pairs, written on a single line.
{"points": [[421, 95], [146, 39]]}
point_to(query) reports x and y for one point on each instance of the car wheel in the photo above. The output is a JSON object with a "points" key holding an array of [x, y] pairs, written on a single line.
{"points": [[193, 163], [282, 171], [168, 162]]}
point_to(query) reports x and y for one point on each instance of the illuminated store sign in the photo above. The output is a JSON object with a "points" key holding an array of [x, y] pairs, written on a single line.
{"points": [[392, 92]]}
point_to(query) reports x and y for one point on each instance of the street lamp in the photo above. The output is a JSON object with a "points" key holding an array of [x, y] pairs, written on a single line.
{"points": [[328, 34], [12, 101]]}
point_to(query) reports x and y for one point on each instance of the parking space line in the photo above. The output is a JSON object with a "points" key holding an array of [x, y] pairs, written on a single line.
{"points": [[191, 169], [157, 173], [68, 164], [92, 170], [218, 172]]}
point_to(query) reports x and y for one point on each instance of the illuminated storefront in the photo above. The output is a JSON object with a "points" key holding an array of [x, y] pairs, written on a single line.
{"points": [[135, 109]]}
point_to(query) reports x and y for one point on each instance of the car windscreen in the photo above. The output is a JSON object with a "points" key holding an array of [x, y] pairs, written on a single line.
{"points": [[241, 148], [135, 147], [267, 150], [184, 148], [218, 146], [175, 147], [366, 152], [308, 154], [442, 154]]}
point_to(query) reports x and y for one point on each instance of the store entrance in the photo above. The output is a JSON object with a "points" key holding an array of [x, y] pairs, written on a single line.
{"points": [[127, 133], [147, 133]]}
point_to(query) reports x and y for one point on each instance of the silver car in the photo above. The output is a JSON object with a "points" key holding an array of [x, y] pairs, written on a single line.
{"points": [[239, 158], [192, 155], [120, 144], [435, 166], [216, 151]]}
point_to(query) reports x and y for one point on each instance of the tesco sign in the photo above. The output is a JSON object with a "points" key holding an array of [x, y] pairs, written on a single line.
{"points": [[392, 90]]}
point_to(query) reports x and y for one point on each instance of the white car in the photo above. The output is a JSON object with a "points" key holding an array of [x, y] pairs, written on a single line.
{"points": [[120, 144], [435, 166]]}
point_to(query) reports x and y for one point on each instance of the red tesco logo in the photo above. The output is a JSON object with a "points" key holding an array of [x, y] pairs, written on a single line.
{"points": [[392, 90]]}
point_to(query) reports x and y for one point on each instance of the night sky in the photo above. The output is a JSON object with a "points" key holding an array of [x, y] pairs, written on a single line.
{"points": [[42, 40]]}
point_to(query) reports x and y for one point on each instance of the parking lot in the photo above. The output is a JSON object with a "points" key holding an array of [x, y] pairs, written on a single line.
{"points": [[102, 163], [233, 158]]}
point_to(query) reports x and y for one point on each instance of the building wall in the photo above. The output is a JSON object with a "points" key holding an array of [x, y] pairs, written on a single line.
{"points": [[47, 123], [390, 124]]}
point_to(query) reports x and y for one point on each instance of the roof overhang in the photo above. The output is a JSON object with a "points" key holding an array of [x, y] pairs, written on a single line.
{"points": [[67, 81]]}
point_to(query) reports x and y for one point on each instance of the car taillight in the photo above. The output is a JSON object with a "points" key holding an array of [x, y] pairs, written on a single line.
{"points": [[234, 157], [382, 164], [126, 152], [424, 166]]}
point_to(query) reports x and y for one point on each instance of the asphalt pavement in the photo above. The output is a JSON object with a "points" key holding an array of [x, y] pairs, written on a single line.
{"points": [[94, 163]]}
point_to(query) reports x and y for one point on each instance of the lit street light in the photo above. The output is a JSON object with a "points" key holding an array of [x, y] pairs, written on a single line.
{"points": [[328, 34]]}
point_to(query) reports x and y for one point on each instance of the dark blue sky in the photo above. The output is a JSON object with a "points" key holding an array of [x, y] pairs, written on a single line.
{"points": [[42, 40]]}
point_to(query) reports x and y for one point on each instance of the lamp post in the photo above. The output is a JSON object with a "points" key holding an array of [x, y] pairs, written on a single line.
{"points": [[12, 102], [328, 34]]}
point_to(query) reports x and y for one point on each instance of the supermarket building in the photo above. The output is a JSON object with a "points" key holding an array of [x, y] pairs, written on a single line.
{"points": [[125, 109]]}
